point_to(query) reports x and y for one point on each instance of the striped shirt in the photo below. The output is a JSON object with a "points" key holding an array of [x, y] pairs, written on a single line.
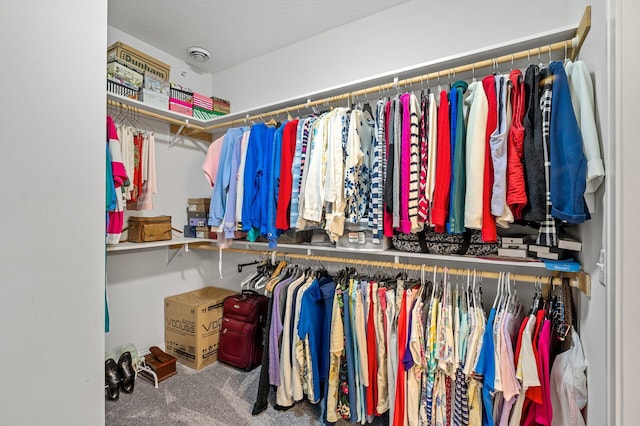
{"points": [[547, 234], [377, 175], [414, 165]]}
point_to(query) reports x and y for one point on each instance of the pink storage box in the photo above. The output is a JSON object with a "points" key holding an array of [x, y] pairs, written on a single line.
{"points": [[181, 107], [202, 102]]}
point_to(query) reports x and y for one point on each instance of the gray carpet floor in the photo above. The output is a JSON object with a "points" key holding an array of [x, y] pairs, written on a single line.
{"points": [[216, 395]]}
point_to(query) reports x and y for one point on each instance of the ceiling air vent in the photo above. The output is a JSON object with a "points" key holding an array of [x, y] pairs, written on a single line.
{"points": [[199, 54]]}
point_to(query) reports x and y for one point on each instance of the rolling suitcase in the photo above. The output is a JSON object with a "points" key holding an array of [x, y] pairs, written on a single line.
{"points": [[243, 319]]}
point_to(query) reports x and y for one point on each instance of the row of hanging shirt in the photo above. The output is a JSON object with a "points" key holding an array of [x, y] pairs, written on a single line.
{"points": [[131, 174], [426, 354], [511, 147]]}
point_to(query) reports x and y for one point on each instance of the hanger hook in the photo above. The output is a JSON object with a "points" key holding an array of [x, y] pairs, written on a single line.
{"points": [[549, 47], [511, 62], [473, 71], [565, 49], [529, 57]]}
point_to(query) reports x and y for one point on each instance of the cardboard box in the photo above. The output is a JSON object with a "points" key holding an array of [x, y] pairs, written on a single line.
{"points": [[192, 325], [198, 205], [154, 99], [202, 231], [137, 60], [121, 72]]}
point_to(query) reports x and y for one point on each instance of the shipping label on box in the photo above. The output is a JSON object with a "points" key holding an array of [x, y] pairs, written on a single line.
{"points": [[137, 60], [197, 221], [192, 325]]}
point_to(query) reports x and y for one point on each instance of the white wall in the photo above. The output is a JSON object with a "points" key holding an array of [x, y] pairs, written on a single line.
{"points": [[627, 291], [195, 79], [52, 184], [409, 34]]}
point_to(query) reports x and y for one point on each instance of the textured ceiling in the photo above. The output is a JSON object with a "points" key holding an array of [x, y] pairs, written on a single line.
{"points": [[234, 30]]}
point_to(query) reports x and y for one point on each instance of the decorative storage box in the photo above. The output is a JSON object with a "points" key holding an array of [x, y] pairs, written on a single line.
{"points": [[156, 84], [146, 229], [192, 325], [115, 86], [119, 71], [203, 114], [155, 99], [222, 106], [360, 237], [137, 60], [177, 106], [202, 101]]}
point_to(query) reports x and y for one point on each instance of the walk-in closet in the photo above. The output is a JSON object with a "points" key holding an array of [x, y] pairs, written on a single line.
{"points": [[437, 199]]}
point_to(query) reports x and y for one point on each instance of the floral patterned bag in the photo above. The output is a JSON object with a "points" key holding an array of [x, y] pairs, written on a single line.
{"points": [[429, 241]]}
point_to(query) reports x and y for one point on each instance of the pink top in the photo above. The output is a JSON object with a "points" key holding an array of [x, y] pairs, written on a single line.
{"points": [[544, 412], [405, 164], [210, 165]]}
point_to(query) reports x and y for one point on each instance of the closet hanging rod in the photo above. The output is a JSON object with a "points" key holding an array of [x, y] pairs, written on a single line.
{"points": [[570, 46], [579, 280]]}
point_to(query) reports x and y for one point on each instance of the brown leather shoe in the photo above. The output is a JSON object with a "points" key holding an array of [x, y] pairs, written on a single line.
{"points": [[160, 354]]}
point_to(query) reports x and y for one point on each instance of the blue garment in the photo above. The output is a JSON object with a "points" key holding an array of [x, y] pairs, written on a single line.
{"points": [[407, 359], [568, 163], [260, 210], [252, 179], [458, 155], [487, 368], [327, 292], [274, 186], [358, 388], [223, 179], [349, 327]]}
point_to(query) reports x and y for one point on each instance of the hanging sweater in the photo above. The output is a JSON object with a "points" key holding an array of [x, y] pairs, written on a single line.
{"points": [[475, 144], [489, 233], [252, 181], [458, 180], [440, 208], [405, 164], [516, 191], [115, 216], [432, 154], [583, 105], [286, 178], [414, 165], [533, 149], [499, 155], [568, 164]]}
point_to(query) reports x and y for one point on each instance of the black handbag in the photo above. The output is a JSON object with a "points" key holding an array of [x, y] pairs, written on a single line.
{"points": [[428, 241]]}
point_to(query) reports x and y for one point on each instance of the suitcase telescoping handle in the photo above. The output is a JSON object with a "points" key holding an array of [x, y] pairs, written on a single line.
{"points": [[247, 292]]}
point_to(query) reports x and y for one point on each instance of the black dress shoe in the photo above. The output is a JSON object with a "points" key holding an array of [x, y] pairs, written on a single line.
{"points": [[127, 373], [111, 380]]}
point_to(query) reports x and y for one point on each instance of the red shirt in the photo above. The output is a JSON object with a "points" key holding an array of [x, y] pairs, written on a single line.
{"points": [[440, 207], [516, 191], [489, 233], [286, 179]]}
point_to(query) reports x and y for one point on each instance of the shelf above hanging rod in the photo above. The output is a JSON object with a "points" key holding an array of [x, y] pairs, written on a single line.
{"points": [[568, 40], [579, 280]]}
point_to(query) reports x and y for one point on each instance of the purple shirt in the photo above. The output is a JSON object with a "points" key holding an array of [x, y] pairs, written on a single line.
{"points": [[274, 333]]}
